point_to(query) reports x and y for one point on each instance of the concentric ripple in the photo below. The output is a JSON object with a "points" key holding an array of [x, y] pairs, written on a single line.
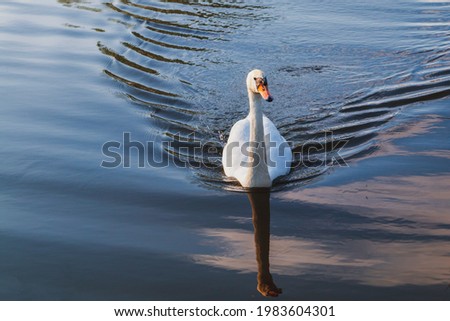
{"points": [[185, 61]]}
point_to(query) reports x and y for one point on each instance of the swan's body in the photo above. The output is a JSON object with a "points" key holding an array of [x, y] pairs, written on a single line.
{"points": [[256, 153]]}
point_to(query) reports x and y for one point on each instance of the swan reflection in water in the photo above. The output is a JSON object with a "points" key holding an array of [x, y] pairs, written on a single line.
{"points": [[260, 202]]}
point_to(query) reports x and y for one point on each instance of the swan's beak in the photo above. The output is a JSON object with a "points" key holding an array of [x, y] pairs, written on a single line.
{"points": [[264, 91]]}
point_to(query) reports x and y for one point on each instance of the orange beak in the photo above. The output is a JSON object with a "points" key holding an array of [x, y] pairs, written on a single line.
{"points": [[264, 91]]}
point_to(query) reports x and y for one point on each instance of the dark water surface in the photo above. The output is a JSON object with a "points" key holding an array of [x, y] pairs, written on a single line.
{"points": [[363, 86]]}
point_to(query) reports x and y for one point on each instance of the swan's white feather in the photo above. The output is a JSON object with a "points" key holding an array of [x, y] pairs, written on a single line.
{"points": [[234, 158]]}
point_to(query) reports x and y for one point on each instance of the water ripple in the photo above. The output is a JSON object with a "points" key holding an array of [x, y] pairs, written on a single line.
{"points": [[176, 64]]}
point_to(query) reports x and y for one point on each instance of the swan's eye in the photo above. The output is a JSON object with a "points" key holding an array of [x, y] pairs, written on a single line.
{"points": [[260, 81]]}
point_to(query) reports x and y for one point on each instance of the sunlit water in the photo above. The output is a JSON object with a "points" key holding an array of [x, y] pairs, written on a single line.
{"points": [[361, 93]]}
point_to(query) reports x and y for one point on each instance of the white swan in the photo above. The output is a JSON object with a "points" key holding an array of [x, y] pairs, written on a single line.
{"points": [[256, 153]]}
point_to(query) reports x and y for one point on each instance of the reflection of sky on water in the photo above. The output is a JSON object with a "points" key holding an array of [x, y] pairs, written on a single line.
{"points": [[410, 129], [415, 207], [423, 200], [395, 202]]}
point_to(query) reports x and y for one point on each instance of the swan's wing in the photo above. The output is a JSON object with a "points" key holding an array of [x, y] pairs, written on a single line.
{"points": [[279, 153], [232, 157]]}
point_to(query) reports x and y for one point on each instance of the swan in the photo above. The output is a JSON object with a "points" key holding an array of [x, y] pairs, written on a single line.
{"points": [[256, 153]]}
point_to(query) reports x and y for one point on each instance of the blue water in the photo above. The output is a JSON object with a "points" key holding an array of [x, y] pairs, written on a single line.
{"points": [[363, 86]]}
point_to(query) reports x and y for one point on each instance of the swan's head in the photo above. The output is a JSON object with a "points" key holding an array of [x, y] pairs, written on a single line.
{"points": [[257, 83]]}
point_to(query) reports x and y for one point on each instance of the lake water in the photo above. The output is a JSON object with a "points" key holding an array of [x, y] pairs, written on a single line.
{"points": [[362, 92]]}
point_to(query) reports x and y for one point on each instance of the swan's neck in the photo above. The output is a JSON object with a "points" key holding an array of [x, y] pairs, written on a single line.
{"points": [[256, 118], [258, 174]]}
